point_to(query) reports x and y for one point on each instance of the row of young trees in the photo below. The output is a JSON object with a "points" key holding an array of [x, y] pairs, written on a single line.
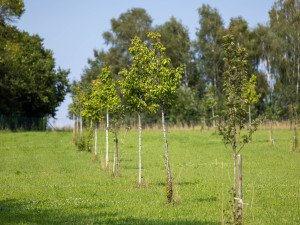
{"points": [[149, 84], [273, 57]]}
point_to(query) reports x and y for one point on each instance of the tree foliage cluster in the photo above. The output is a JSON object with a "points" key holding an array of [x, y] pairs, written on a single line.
{"points": [[30, 83]]}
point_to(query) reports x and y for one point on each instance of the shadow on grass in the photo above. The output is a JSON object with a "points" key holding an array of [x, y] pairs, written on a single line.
{"points": [[13, 212]]}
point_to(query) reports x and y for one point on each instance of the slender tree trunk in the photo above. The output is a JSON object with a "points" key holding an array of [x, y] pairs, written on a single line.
{"points": [[77, 126], [114, 164], [249, 115], [90, 138], [240, 192], [80, 124], [295, 137], [234, 185], [116, 159], [77, 130], [74, 127], [96, 139], [170, 185], [107, 125], [140, 149]]}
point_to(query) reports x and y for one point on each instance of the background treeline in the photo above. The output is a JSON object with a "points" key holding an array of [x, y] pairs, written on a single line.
{"points": [[273, 57], [31, 88]]}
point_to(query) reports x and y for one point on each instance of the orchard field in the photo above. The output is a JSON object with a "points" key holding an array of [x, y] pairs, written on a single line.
{"points": [[44, 179]]}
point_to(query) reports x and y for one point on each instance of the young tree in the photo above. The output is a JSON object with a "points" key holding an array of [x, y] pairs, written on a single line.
{"points": [[105, 98], [89, 116], [166, 80], [102, 99], [233, 119], [73, 110], [78, 96], [135, 87]]}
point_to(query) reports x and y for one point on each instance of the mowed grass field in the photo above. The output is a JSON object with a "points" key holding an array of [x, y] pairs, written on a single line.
{"points": [[44, 179]]}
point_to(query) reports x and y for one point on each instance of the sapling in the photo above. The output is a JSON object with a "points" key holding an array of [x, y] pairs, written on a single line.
{"points": [[135, 86], [99, 101], [165, 81], [234, 117]]}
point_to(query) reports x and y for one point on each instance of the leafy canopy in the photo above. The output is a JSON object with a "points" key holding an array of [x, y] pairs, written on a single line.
{"points": [[103, 96], [236, 86]]}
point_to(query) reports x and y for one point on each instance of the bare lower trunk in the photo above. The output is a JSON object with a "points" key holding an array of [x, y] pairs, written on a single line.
{"points": [[114, 164], [116, 160], [169, 190], [90, 140], [96, 139], [249, 115], [107, 125], [140, 149], [74, 127], [234, 186], [295, 137], [77, 130], [77, 126], [272, 137], [80, 124], [240, 192]]}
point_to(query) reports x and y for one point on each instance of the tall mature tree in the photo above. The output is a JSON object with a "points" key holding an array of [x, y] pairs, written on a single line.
{"points": [[285, 24], [135, 86], [30, 85], [266, 40], [175, 38], [209, 48], [10, 10], [246, 39], [209, 44]]}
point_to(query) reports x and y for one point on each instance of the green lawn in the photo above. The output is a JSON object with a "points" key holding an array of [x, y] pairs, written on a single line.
{"points": [[44, 179]]}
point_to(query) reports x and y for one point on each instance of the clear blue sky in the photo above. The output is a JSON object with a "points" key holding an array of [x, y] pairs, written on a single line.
{"points": [[73, 28]]}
